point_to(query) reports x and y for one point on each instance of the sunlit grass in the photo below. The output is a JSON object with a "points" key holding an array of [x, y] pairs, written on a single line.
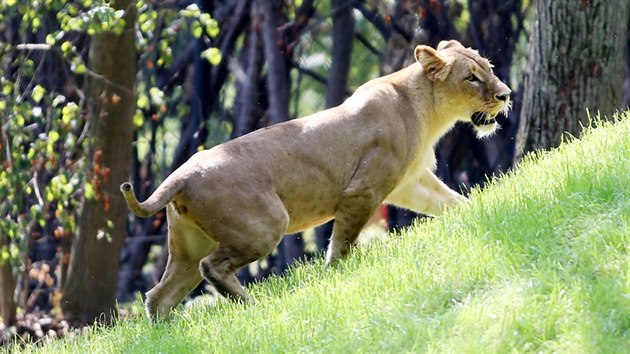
{"points": [[540, 261]]}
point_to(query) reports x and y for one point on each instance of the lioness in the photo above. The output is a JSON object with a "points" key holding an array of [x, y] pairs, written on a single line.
{"points": [[231, 205]]}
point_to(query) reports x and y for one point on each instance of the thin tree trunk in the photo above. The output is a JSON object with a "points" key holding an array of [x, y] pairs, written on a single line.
{"points": [[248, 95], [277, 64], [342, 38], [576, 62], [8, 282], [90, 290]]}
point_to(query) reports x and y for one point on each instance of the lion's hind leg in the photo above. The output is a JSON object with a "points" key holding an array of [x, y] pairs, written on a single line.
{"points": [[220, 270], [242, 241], [220, 267], [180, 277], [186, 246]]}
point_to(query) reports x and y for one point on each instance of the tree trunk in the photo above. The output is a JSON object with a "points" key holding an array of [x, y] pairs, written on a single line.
{"points": [[342, 38], [248, 93], [576, 62], [90, 290], [8, 280], [7, 288], [277, 65]]}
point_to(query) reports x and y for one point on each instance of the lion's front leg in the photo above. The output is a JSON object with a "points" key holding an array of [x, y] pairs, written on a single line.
{"points": [[447, 195], [428, 196]]}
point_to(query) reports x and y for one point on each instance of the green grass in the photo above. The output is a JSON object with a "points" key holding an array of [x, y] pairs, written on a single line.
{"points": [[540, 261]]}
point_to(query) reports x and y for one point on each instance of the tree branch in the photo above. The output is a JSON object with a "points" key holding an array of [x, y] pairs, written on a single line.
{"points": [[375, 19], [313, 74], [361, 38], [102, 79]]}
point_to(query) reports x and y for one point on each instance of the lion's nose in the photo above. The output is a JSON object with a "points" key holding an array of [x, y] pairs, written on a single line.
{"points": [[502, 97]]}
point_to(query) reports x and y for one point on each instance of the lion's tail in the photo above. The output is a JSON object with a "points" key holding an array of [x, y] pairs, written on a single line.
{"points": [[158, 200]]}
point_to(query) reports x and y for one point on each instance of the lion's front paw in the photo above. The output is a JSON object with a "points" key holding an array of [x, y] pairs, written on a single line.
{"points": [[463, 200]]}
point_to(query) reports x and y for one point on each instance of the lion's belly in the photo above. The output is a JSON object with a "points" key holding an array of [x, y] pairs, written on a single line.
{"points": [[309, 208], [310, 201], [304, 223]]}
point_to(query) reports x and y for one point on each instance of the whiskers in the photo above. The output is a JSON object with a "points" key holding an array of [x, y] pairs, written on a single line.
{"points": [[493, 109], [507, 106]]}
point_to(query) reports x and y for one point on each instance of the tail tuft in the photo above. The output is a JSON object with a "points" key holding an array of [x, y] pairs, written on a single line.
{"points": [[126, 187], [141, 210]]}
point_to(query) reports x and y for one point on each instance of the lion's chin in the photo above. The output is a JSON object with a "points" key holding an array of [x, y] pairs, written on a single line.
{"points": [[484, 123]]}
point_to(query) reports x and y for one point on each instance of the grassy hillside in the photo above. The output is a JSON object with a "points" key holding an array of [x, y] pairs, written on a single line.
{"points": [[540, 261]]}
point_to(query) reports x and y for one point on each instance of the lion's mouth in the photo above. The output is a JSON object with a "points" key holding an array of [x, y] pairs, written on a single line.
{"points": [[485, 123], [479, 119]]}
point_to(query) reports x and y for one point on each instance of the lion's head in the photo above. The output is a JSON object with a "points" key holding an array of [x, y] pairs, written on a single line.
{"points": [[464, 82]]}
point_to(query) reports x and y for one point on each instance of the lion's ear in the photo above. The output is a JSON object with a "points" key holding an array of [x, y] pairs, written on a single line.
{"points": [[449, 44], [434, 65]]}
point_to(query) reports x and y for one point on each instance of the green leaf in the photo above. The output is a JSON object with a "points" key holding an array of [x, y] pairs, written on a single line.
{"points": [[212, 28], [68, 189], [78, 68], [49, 195], [38, 93], [93, 28], [31, 153], [35, 211], [205, 18], [66, 47], [191, 10], [213, 55], [138, 119], [28, 68], [143, 101], [75, 24], [50, 149], [157, 96], [19, 120], [50, 39], [69, 112], [53, 136], [36, 23], [7, 89], [89, 191], [197, 31], [59, 99]]}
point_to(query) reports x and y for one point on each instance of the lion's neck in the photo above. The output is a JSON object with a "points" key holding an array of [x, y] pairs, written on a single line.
{"points": [[432, 118]]}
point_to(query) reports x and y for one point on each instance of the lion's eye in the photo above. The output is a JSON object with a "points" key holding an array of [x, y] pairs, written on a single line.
{"points": [[473, 78]]}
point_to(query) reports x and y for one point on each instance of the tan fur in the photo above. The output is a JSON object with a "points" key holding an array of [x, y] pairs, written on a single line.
{"points": [[231, 205]]}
